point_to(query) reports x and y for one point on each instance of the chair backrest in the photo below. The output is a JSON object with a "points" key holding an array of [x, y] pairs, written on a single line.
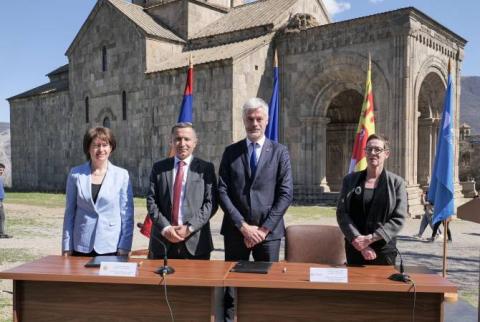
{"points": [[315, 244]]}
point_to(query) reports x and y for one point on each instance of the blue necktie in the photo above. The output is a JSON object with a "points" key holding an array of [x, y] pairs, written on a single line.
{"points": [[253, 160]]}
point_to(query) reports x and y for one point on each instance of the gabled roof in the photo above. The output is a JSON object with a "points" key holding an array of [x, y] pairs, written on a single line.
{"points": [[134, 13], [59, 70], [52, 87], [255, 14], [211, 54], [144, 21]]}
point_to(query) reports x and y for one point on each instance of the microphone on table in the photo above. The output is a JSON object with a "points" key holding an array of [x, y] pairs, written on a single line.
{"points": [[165, 269], [402, 276]]}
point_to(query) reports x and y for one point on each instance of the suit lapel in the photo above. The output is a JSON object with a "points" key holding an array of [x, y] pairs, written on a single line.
{"points": [[86, 183], [246, 165], [192, 176], [169, 177], [264, 156], [107, 182]]}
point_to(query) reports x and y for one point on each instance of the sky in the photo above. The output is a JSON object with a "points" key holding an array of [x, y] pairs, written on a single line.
{"points": [[35, 34]]}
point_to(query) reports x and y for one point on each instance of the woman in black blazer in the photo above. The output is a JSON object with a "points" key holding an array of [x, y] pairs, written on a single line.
{"points": [[372, 208]]}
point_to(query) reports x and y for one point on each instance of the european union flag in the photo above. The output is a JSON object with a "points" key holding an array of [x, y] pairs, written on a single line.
{"points": [[441, 191], [271, 131]]}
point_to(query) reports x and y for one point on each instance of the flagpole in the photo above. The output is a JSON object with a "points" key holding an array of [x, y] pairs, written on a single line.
{"points": [[445, 229]]}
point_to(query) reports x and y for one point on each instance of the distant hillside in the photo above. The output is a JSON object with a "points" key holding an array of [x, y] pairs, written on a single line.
{"points": [[470, 103]]}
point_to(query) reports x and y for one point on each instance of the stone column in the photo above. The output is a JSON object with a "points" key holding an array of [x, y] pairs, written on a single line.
{"points": [[321, 152]]}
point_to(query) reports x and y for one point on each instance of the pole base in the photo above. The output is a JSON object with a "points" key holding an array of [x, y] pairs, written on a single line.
{"points": [[165, 270]]}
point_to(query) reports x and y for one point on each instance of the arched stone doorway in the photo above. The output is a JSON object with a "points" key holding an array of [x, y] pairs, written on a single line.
{"points": [[344, 113], [430, 104]]}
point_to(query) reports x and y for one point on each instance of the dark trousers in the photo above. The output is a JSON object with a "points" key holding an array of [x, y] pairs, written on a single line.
{"points": [[2, 218], [176, 251], [235, 250], [93, 253], [179, 251], [435, 229], [354, 257]]}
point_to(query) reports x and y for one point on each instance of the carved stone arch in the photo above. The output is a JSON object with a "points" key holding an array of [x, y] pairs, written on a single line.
{"points": [[340, 77], [105, 112], [430, 85]]}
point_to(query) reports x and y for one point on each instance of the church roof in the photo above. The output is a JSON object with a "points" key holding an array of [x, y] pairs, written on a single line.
{"points": [[51, 87], [211, 54], [59, 70], [255, 14], [136, 14]]}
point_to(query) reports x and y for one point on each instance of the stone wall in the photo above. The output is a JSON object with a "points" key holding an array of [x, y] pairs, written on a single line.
{"points": [[40, 142]]}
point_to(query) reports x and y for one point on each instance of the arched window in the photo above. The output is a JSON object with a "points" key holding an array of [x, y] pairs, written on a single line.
{"points": [[106, 122], [124, 106], [104, 59], [87, 110]]}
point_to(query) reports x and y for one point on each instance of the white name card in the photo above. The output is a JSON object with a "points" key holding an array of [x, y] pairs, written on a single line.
{"points": [[118, 269], [328, 275]]}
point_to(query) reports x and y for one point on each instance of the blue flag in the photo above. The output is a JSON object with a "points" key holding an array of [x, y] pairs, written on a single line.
{"points": [[271, 131], [441, 191]]}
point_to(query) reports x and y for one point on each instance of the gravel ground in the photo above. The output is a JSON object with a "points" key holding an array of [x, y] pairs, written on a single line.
{"points": [[37, 233]]}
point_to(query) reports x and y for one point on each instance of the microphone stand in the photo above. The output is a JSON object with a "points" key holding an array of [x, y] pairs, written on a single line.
{"points": [[165, 269], [402, 276]]}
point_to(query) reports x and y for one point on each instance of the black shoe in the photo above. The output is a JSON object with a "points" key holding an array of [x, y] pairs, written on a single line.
{"points": [[5, 236]]}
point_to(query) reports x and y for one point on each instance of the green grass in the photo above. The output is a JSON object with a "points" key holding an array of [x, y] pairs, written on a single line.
{"points": [[50, 200], [313, 212], [469, 297], [13, 255], [27, 226], [7, 307]]}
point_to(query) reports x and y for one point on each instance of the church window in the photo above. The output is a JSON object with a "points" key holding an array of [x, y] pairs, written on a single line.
{"points": [[86, 110], [106, 122], [104, 59], [124, 106]]}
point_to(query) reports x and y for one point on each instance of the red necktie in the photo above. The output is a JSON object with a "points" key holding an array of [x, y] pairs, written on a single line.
{"points": [[177, 191]]}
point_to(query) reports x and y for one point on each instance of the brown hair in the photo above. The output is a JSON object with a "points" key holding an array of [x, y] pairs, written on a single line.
{"points": [[383, 138], [102, 133]]}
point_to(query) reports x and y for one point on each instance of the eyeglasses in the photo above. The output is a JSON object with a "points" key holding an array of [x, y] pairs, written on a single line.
{"points": [[374, 150], [99, 146]]}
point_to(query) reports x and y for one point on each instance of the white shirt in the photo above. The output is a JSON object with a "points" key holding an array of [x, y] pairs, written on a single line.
{"points": [[186, 167], [258, 148]]}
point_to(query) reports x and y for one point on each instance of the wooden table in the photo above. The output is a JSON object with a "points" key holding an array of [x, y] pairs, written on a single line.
{"points": [[368, 296], [58, 288]]}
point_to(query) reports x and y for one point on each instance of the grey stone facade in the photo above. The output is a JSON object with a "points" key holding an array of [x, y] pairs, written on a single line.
{"points": [[128, 64]]}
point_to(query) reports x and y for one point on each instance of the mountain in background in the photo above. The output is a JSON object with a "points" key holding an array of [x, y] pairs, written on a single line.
{"points": [[470, 103]]}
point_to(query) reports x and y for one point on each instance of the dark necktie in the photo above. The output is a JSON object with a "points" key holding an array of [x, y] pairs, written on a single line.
{"points": [[177, 191], [253, 159]]}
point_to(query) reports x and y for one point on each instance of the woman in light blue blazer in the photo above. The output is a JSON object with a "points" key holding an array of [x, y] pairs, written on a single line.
{"points": [[99, 207]]}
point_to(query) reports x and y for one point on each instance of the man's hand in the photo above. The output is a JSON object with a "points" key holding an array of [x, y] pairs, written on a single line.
{"points": [[251, 235], [369, 254], [172, 236], [183, 231]]}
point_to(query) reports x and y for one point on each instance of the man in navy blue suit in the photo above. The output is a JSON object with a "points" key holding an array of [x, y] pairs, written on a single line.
{"points": [[255, 190]]}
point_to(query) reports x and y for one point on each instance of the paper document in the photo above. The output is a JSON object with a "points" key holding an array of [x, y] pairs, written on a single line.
{"points": [[328, 275]]}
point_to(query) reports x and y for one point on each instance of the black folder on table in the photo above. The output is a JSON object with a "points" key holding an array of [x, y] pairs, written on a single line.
{"points": [[251, 267], [95, 261]]}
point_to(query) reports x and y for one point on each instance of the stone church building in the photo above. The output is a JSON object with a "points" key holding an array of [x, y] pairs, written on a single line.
{"points": [[127, 69]]}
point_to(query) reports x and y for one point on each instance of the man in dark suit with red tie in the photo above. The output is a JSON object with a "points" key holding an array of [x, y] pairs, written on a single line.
{"points": [[255, 190], [181, 200]]}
